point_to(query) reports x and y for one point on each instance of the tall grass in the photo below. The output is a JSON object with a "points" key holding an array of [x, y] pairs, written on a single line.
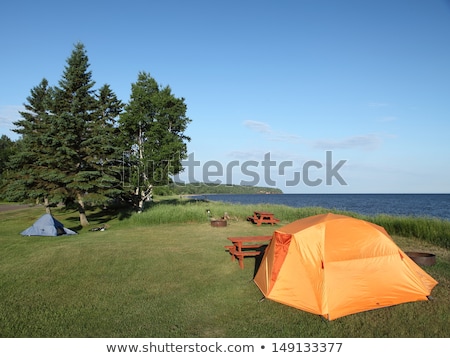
{"points": [[432, 230]]}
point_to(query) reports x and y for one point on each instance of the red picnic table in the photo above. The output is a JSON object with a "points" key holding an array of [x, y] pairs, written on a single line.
{"points": [[263, 217], [244, 246]]}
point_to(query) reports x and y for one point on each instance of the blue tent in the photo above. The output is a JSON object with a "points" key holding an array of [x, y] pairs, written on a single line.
{"points": [[47, 225]]}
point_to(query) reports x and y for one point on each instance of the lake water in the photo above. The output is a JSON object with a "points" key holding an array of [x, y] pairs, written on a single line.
{"points": [[425, 205]]}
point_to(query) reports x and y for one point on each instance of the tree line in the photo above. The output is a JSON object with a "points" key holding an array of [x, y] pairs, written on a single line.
{"points": [[207, 188], [84, 146]]}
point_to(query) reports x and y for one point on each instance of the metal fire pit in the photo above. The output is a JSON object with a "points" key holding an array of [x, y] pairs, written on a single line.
{"points": [[422, 258], [218, 223]]}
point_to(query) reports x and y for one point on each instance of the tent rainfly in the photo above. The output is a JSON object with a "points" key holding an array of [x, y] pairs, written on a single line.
{"points": [[334, 265], [47, 225]]}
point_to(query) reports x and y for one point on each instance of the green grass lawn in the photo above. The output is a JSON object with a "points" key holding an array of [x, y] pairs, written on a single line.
{"points": [[168, 275]]}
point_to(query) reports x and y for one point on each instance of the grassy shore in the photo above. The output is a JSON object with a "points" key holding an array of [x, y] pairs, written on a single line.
{"points": [[165, 273]]}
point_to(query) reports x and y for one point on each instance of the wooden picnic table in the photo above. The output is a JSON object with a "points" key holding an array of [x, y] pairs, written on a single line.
{"points": [[244, 246], [263, 217]]}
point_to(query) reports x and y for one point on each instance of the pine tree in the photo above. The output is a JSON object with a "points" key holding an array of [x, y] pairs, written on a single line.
{"points": [[102, 149], [32, 177], [8, 149], [69, 141], [74, 105]]}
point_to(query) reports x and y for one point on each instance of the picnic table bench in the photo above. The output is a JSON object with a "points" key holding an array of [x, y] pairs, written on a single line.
{"points": [[245, 246], [263, 217]]}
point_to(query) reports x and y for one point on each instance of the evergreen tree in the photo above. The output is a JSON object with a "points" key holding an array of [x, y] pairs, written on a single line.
{"points": [[7, 150], [153, 126], [102, 149], [69, 141], [31, 176], [73, 107], [87, 142]]}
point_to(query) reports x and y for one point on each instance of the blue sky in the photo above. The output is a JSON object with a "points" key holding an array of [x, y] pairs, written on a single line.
{"points": [[311, 96]]}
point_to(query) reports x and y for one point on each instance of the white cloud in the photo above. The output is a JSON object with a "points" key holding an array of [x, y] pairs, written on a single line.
{"points": [[240, 154], [8, 115], [256, 126], [364, 142], [271, 134]]}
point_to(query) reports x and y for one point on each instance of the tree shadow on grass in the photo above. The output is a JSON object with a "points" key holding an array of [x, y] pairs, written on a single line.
{"points": [[101, 216], [98, 216]]}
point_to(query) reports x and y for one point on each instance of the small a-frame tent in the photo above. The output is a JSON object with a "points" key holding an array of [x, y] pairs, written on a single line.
{"points": [[334, 265], [47, 225]]}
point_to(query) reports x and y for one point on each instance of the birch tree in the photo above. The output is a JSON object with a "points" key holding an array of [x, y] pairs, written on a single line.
{"points": [[153, 126]]}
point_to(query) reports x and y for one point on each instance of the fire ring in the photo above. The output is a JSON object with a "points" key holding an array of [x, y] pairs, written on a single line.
{"points": [[218, 223], [422, 258]]}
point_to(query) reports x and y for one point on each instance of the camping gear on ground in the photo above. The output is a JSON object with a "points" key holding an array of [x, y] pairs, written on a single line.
{"points": [[47, 225], [335, 265], [100, 228]]}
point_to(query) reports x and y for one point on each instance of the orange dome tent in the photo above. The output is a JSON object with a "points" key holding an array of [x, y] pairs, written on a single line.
{"points": [[334, 265]]}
